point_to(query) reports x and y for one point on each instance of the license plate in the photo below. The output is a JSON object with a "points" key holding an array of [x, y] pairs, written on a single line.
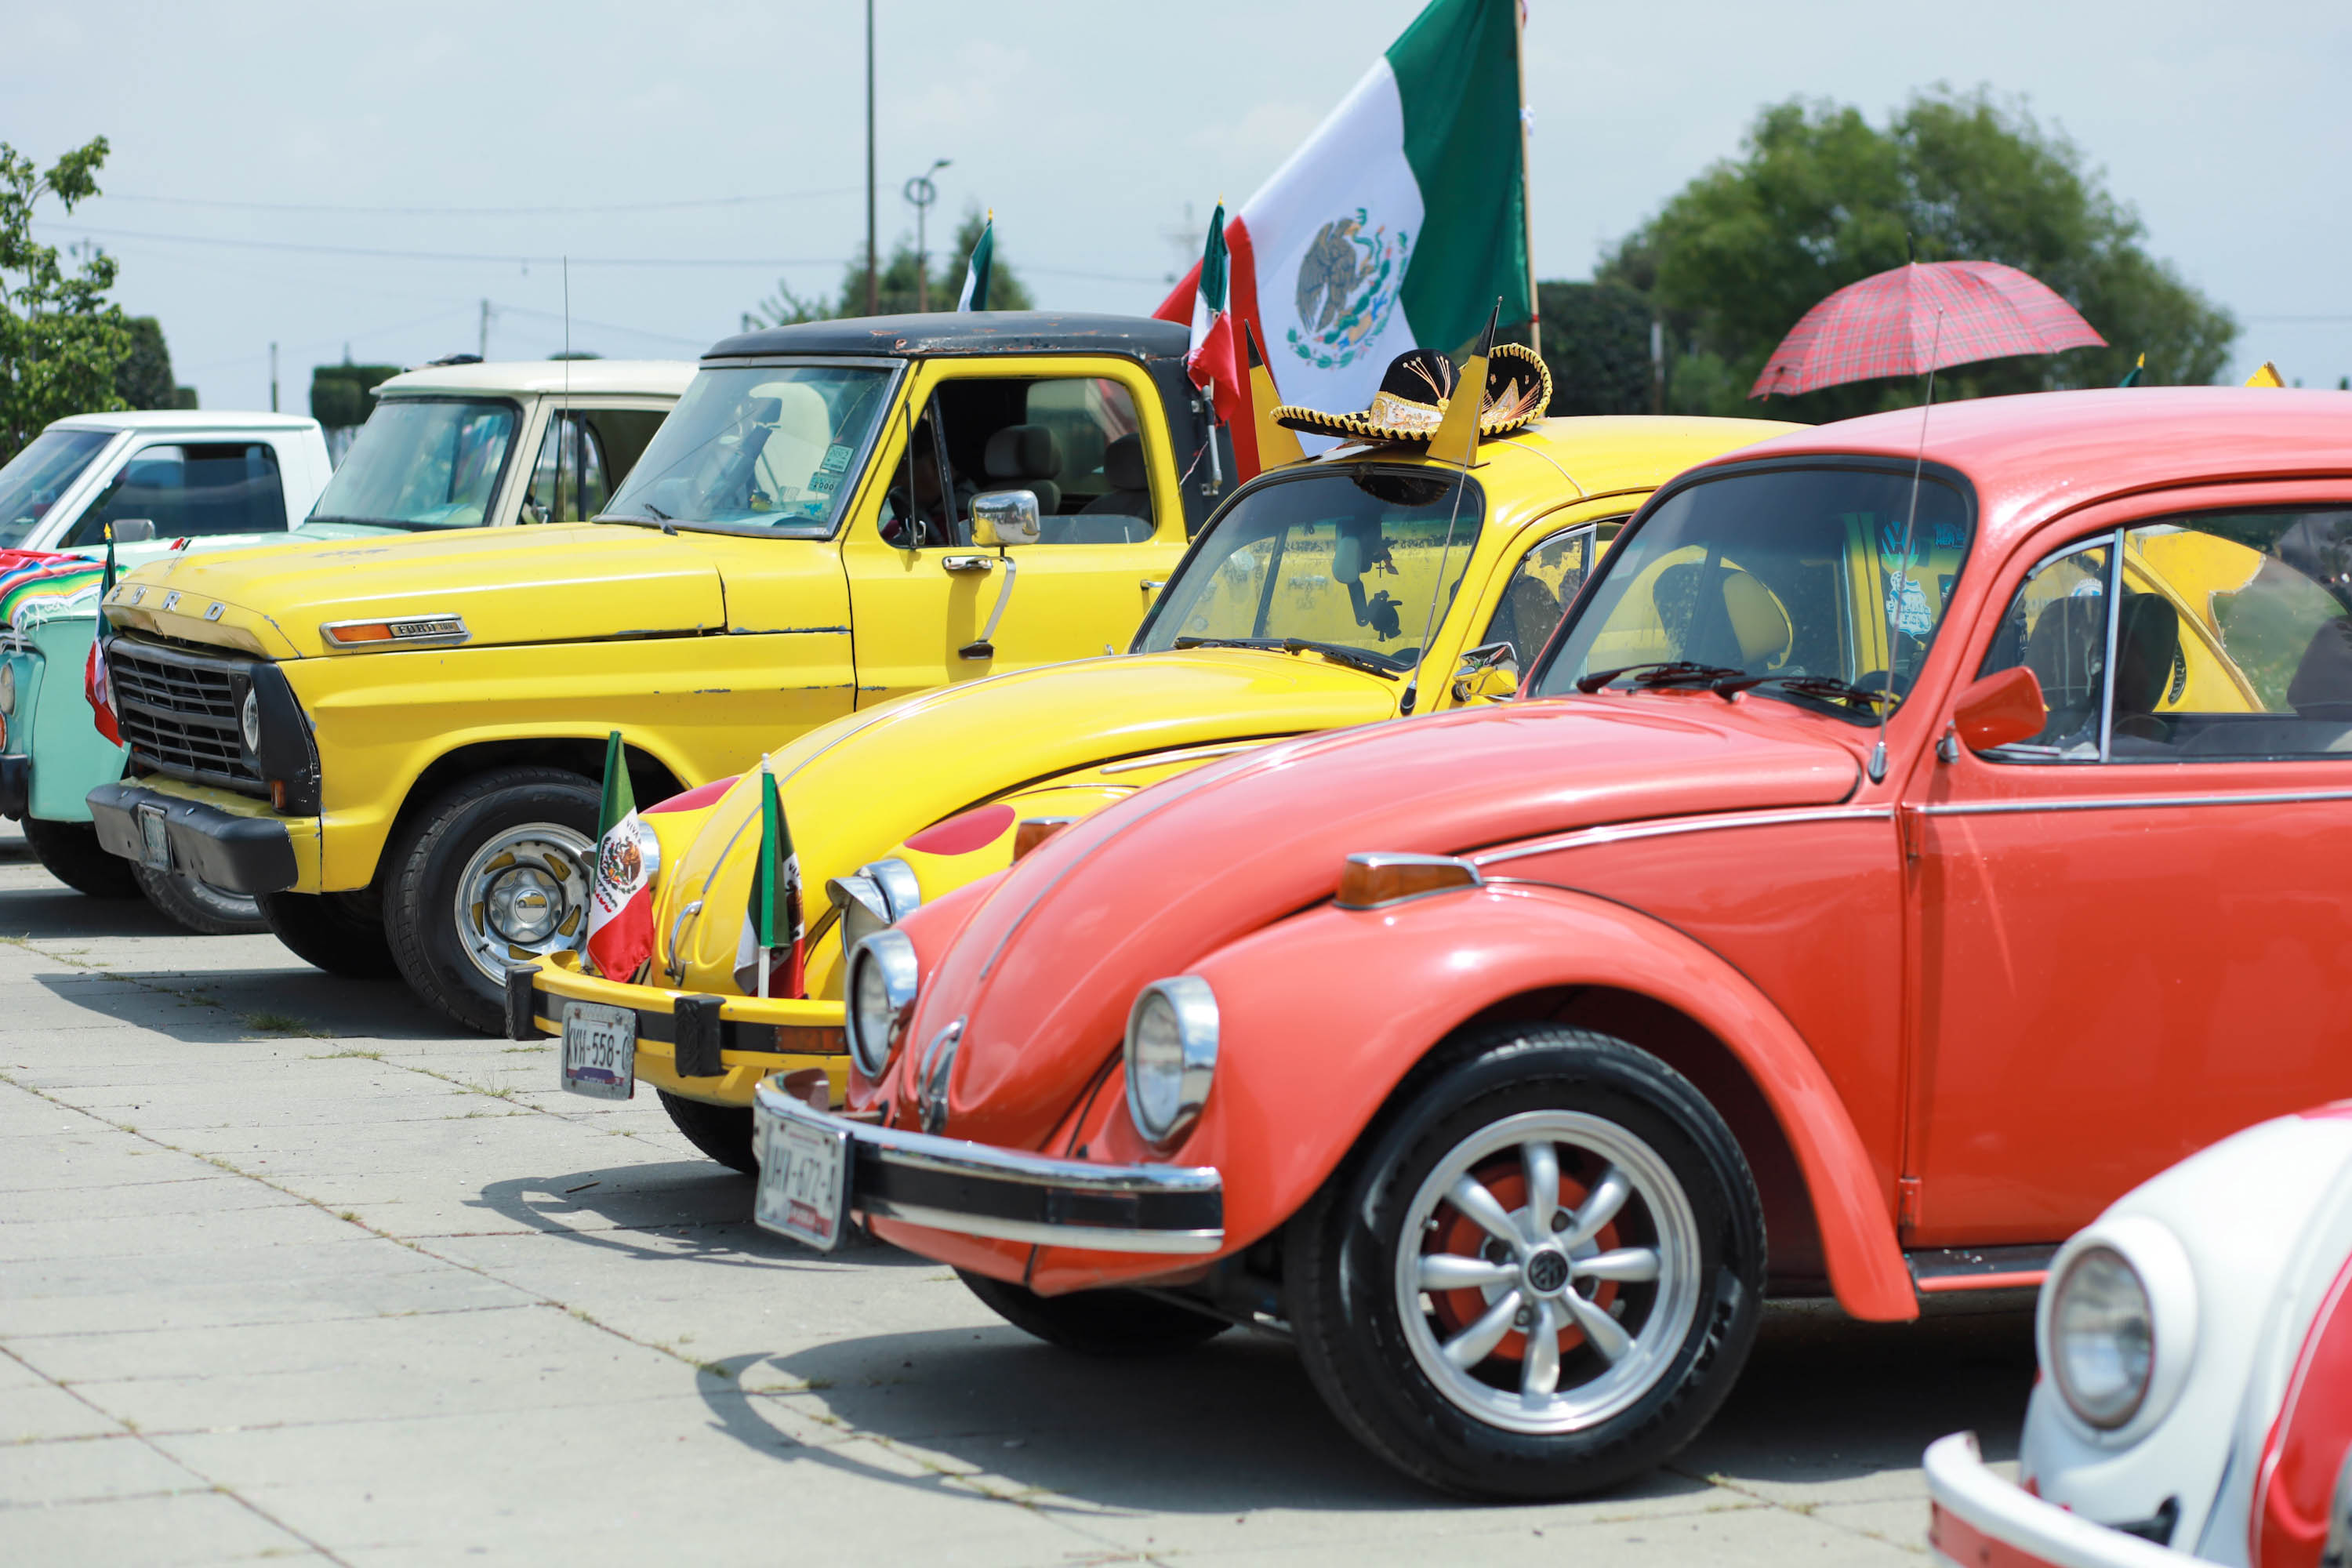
{"points": [[803, 1183], [600, 1050], [154, 843]]}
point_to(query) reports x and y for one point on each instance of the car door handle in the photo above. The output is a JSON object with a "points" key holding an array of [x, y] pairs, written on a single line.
{"points": [[1153, 585], [969, 563]]}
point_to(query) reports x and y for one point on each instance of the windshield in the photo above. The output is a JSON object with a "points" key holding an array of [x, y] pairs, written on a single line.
{"points": [[421, 463], [1779, 574], [37, 476], [1350, 556], [768, 446]]}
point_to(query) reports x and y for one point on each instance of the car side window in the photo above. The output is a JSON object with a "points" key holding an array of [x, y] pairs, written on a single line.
{"points": [[1546, 579], [2235, 639], [2057, 627], [190, 491], [1075, 442]]}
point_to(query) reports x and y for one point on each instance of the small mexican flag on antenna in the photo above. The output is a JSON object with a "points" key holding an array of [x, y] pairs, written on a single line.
{"points": [[975, 273], [96, 685], [1210, 361], [771, 917], [621, 891]]}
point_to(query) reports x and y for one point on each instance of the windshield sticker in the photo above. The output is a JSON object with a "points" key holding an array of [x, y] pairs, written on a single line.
{"points": [[836, 459]]}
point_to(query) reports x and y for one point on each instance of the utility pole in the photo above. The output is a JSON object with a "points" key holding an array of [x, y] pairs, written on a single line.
{"points": [[273, 378], [873, 278], [482, 343], [1657, 366], [921, 193]]}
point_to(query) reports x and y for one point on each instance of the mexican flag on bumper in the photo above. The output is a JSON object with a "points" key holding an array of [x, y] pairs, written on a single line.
{"points": [[1396, 226]]}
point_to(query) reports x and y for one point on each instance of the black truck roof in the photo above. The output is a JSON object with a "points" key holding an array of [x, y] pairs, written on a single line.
{"points": [[947, 334]]}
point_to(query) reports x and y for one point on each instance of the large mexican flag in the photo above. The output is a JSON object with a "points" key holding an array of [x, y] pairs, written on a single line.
{"points": [[1396, 226]]}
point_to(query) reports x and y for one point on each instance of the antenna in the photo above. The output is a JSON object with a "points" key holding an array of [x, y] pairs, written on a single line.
{"points": [[1910, 524], [563, 410], [1461, 435]]}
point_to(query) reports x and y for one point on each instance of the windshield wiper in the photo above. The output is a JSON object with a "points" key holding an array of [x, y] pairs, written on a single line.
{"points": [[1659, 673], [1824, 685], [1337, 653]]}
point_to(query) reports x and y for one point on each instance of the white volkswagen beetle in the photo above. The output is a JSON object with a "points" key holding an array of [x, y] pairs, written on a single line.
{"points": [[2196, 1386]]}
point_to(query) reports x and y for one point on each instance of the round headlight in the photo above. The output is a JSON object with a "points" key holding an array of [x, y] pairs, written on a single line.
{"points": [[7, 686], [248, 720], [1171, 1056], [881, 993], [2102, 1338]]}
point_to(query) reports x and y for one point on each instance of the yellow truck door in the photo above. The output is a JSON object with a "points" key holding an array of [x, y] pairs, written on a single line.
{"points": [[1087, 437]]}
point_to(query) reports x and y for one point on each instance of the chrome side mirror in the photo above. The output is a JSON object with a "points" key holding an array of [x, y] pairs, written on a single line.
{"points": [[1002, 519], [879, 895], [131, 529], [1489, 673]]}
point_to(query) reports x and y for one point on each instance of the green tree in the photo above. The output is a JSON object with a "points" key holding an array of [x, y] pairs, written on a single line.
{"points": [[144, 380], [339, 393], [1821, 198], [1596, 342], [896, 287], [60, 338]]}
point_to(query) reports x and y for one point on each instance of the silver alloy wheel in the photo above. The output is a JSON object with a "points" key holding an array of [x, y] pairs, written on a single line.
{"points": [[524, 893], [1540, 1268]]}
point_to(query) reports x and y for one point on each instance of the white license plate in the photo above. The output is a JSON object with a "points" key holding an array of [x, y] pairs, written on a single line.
{"points": [[154, 842], [803, 1178], [600, 1050]]}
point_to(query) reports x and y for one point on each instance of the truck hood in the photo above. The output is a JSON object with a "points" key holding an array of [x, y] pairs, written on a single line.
{"points": [[854, 790], [511, 584], [1047, 966]]}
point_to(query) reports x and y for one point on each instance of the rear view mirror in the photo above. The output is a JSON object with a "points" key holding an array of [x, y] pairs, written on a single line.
{"points": [[1490, 672], [2000, 711], [1005, 518], [131, 529]]}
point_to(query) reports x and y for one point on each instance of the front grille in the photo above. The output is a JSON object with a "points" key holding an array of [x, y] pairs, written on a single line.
{"points": [[178, 714]]}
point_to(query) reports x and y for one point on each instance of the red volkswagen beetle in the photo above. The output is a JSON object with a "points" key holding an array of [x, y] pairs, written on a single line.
{"points": [[1914, 838]]}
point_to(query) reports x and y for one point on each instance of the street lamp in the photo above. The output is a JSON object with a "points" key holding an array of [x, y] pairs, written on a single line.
{"points": [[921, 193]]}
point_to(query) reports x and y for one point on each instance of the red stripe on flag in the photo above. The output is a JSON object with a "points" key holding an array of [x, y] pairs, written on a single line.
{"points": [[1178, 306], [1241, 301]]}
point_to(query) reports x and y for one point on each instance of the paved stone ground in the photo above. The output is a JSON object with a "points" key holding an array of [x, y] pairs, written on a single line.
{"points": [[288, 1271]]}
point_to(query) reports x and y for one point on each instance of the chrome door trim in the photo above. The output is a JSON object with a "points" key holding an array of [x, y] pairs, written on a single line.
{"points": [[1616, 833], [2131, 802]]}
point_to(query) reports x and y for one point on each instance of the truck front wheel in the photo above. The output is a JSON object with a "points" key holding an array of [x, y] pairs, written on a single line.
{"points": [[340, 932], [494, 871], [70, 852]]}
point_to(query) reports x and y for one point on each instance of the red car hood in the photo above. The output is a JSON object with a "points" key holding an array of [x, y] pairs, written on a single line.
{"points": [[1046, 969]]}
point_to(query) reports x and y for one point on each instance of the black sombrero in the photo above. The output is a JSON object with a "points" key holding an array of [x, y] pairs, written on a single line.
{"points": [[1410, 403]]}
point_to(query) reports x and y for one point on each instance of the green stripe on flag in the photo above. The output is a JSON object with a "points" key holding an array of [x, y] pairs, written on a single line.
{"points": [[1216, 264], [618, 799], [1457, 75], [766, 896]]}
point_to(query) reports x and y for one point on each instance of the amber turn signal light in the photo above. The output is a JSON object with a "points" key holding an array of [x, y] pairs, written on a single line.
{"points": [[1035, 830], [412, 630], [1376, 880]]}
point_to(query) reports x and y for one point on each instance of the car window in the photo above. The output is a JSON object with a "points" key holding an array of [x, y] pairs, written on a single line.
{"points": [[422, 462], [569, 481], [2056, 625], [2232, 635], [760, 448], [1073, 441], [1541, 586], [191, 491], [37, 476]]}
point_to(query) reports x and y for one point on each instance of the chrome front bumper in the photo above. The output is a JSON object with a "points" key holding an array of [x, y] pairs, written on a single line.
{"points": [[1977, 1519], [976, 1189]]}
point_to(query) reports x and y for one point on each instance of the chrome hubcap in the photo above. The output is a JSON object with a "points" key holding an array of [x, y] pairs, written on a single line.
{"points": [[1548, 1273], [524, 893]]}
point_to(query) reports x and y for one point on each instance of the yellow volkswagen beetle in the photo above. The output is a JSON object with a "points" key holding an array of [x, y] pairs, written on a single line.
{"points": [[1365, 584]]}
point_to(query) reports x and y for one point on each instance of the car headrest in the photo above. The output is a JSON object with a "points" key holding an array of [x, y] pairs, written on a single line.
{"points": [[1123, 464], [1022, 452], [2148, 641]]}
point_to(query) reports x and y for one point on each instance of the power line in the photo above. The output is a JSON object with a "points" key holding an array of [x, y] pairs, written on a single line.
{"points": [[484, 211], [288, 244]]}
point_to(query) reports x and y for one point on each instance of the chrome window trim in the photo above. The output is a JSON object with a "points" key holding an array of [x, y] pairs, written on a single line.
{"points": [[2132, 802], [1615, 832]]}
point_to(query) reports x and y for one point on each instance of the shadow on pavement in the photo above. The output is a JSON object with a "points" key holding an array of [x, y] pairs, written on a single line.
{"points": [[679, 1211], [214, 1005], [56, 911], [1234, 1425]]}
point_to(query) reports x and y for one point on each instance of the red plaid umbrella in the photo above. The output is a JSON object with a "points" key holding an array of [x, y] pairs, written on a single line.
{"points": [[1886, 326]]}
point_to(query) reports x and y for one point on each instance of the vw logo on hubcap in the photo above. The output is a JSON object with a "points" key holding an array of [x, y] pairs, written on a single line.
{"points": [[1546, 1271]]}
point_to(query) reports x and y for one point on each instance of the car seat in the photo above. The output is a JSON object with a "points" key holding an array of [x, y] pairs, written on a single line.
{"points": [[1121, 515], [1747, 627], [1026, 456], [2066, 650], [2147, 644]]}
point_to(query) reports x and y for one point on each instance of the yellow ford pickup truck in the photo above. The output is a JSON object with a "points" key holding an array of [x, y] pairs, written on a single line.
{"points": [[394, 743]]}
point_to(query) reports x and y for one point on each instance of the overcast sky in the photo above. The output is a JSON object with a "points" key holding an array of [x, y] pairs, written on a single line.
{"points": [[456, 140]]}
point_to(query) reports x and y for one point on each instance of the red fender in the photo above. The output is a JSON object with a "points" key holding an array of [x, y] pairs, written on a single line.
{"points": [[1322, 1016]]}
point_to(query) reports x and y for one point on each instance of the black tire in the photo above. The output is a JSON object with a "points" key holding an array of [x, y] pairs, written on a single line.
{"points": [[721, 1131], [339, 932], [1682, 1337], [199, 906], [70, 852], [422, 872], [1098, 1322]]}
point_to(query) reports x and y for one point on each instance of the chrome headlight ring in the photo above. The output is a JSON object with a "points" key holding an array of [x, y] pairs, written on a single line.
{"points": [[7, 687], [1170, 1055], [878, 895], [882, 980], [2116, 1327]]}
